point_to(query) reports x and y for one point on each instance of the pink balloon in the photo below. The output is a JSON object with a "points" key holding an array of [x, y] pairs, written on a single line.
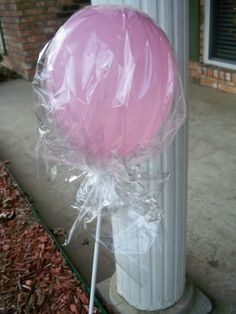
{"points": [[111, 76]]}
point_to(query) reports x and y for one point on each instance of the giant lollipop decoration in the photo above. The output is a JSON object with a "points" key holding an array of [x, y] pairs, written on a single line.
{"points": [[111, 76], [106, 84]]}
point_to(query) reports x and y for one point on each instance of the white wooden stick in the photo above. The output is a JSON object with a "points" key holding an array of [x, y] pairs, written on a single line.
{"points": [[95, 262]]}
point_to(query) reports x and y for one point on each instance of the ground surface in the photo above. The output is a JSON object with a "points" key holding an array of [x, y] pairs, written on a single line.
{"points": [[34, 277], [211, 253], [211, 250]]}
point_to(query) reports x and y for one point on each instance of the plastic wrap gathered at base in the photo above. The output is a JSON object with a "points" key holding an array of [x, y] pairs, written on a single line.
{"points": [[108, 95], [121, 197]]}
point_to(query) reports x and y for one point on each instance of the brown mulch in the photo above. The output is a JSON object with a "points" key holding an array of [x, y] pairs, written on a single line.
{"points": [[34, 277], [7, 74]]}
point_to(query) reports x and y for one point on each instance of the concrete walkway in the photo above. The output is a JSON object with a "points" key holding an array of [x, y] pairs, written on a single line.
{"points": [[211, 250]]}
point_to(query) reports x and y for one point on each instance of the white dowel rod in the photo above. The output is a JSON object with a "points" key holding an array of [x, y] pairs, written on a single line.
{"points": [[95, 262]]}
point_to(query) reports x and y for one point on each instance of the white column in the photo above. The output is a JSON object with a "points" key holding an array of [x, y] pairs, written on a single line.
{"points": [[165, 280]]}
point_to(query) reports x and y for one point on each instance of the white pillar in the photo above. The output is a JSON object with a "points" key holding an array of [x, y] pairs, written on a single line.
{"points": [[166, 277]]}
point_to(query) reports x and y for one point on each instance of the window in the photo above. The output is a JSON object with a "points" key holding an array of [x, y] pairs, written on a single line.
{"points": [[220, 33]]}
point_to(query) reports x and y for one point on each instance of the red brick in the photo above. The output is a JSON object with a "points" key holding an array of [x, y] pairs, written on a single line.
{"points": [[12, 6], [32, 45], [227, 88], [209, 82], [27, 25], [11, 13], [228, 76], [222, 75], [10, 32], [46, 17], [25, 5], [23, 26], [234, 78], [14, 45], [52, 23], [209, 72], [33, 11], [14, 39], [6, 26], [32, 57], [30, 32], [44, 3], [215, 73], [27, 52], [36, 38], [27, 19], [9, 1], [29, 4], [49, 30], [52, 9], [10, 19]]}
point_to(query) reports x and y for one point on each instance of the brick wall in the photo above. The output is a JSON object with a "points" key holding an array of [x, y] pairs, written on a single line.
{"points": [[27, 25], [210, 75]]}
